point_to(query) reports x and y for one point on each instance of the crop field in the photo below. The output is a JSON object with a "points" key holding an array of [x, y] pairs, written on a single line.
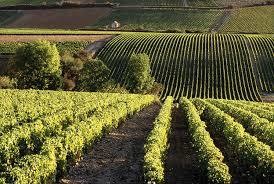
{"points": [[144, 2], [49, 130], [16, 2], [8, 16], [237, 2], [237, 143], [232, 141], [42, 129], [40, 31], [62, 46], [199, 65], [157, 19], [59, 18], [253, 19]]}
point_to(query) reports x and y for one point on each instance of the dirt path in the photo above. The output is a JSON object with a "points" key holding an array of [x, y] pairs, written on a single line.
{"points": [[267, 97], [221, 21], [96, 46], [181, 164], [118, 157], [185, 3]]}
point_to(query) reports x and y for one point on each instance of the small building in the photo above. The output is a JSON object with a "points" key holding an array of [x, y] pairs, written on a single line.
{"points": [[115, 25]]}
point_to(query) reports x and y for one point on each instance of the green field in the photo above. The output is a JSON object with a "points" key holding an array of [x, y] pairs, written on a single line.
{"points": [[199, 65], [16, 2], [203, 3], [44, 129], [27, 31], [251, 20], [68, 46], [145, 2], [230, 141], [8, 16], [50, 130], [157, 19]]}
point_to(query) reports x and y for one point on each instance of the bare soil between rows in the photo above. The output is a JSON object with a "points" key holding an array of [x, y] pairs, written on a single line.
{"points": [[118, 156], [182, 164]]}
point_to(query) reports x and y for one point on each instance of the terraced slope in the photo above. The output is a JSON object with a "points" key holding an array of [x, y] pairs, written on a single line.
{"points": [[199, 65]]}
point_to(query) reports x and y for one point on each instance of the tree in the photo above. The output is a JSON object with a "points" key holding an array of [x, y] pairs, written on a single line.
{"points": [[38, 66], [139, 79], [71, 68], [94, 76]]}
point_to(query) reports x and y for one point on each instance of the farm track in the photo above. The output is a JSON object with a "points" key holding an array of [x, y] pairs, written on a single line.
{"points": [[181, 163], [221, 21], [118, 157]]}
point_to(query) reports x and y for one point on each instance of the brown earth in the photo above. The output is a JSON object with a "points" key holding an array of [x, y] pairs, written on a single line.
{"points": [[267, 97], [181, 163], [26, 38], [117, 157], [59, 18]]}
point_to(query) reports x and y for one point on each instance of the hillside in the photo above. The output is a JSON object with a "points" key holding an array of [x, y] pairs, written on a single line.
{"points": [[199, 65], [102, 137], [251, 20], [161, 19]]}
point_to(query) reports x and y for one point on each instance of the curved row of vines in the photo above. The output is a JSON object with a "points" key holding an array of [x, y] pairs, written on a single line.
{"points": [[199, 65]]}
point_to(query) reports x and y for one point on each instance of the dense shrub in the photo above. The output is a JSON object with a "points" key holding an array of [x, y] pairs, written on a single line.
{"points": [[71, 67], [38, 66], [139, 78], [94, 76], [112, 87]]}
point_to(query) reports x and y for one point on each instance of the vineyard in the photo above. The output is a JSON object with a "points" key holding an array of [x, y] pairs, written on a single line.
{"points": [[248, 20], [8, 16], [15, 2], [68, 46], [230, 148], [157, 19], [199, 65], [242, 147], [47, 130]]}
